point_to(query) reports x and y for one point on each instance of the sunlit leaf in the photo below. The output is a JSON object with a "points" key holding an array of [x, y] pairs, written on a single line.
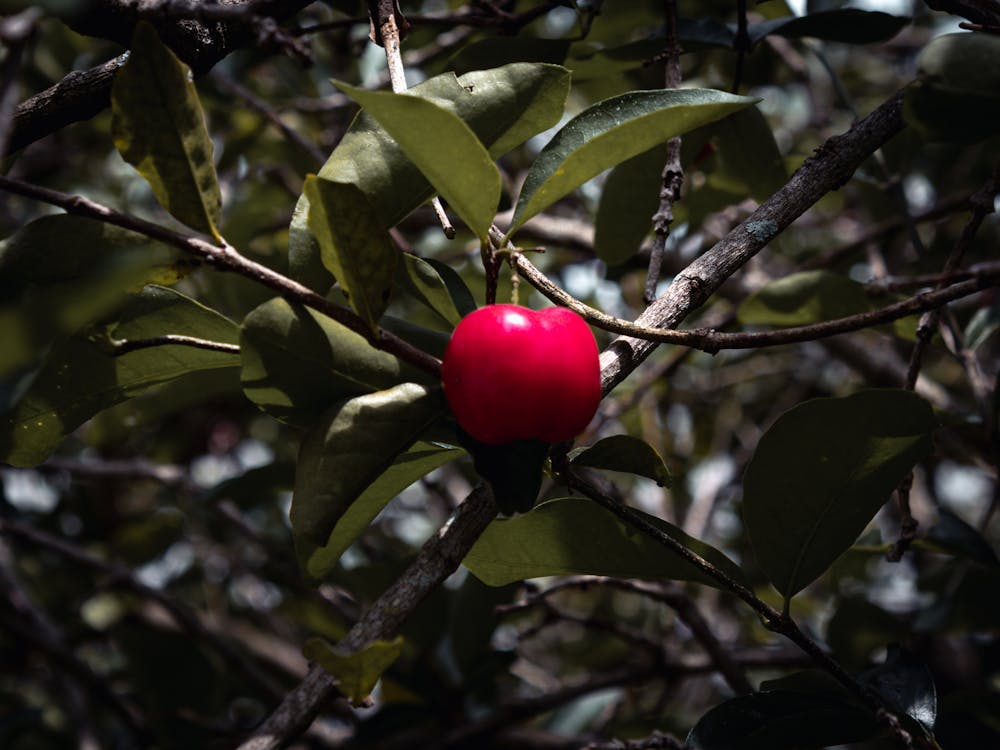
{"points": [[442, 147], [821, 473], [612, 131], [159, 128], [353, 246], [356, 673], [575, 536], [503, 107]]}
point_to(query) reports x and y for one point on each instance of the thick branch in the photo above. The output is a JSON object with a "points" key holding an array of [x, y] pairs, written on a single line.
{"points": [[201, 44], [829, 168], [438, 559]]}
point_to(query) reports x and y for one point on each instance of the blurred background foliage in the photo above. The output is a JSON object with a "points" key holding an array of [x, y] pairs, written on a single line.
{"points": [[151, 592]]}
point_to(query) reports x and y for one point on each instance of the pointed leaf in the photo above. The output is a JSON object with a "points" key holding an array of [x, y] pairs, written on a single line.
{"points": [[954, 535], [354, 247], [782, 720], [821, 473], [80, 377], [410, 466], [848, 25], [350, 447], [297, 362], [356, 673], [159, 128], [443, 148], [503, 107], [625, 453], [630, 197], [575, 536], [437, 286], [612, 131]]}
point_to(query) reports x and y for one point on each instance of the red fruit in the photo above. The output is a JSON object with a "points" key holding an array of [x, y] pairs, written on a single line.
{"points": [[511, 373]]}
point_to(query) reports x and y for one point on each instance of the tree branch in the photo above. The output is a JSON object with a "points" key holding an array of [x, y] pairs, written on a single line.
{"points": [[829, 168]]}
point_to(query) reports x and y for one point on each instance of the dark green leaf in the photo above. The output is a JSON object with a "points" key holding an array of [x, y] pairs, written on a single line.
{"points": [[408, 467], [629, 199], [957, 96], [503, 107], [748, 152], [954, 535], [849, 25], [80, 377], [575, 536], [858, 628], [59, 273], [159, 128], [349, 448], [783, 720], [353, 245], [822, 471], [442, 147], [612, 131], [513, 470], [906, 684], [298, 362], [356, 673], [437, 286], [625, 453]]}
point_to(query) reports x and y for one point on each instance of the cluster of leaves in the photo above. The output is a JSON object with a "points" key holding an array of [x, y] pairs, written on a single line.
{"points": [[342, 423]]}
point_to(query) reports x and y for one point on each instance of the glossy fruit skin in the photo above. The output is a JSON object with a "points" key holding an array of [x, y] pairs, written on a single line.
{"points": [[512, 373]]}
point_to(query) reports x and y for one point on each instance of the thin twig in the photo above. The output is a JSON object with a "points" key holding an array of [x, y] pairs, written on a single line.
{"points": [[713, 341], [124, 346], [672, 178], [982, 204]]}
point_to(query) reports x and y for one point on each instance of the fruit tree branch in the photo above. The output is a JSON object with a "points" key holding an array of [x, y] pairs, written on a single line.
{"points": [[830, 167]]}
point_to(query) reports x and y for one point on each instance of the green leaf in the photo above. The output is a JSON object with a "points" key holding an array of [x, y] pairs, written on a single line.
{"points": [[957, 95], [812, 297], [356, 673], [80, 376], [612, 131], [625, 453], [159, 128], [954, 535], [905, 683], [297, 362], [848, 25], [783, 720], [629, 199], [436, 285], [575, 536], [821, 473], [408, 467], [349, 448], [353, 246], [503, 107], [748, 152], [442, 147], [62, 272]]}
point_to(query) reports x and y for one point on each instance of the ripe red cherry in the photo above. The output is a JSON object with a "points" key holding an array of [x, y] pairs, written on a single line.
{"points": [[512, 373]]}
